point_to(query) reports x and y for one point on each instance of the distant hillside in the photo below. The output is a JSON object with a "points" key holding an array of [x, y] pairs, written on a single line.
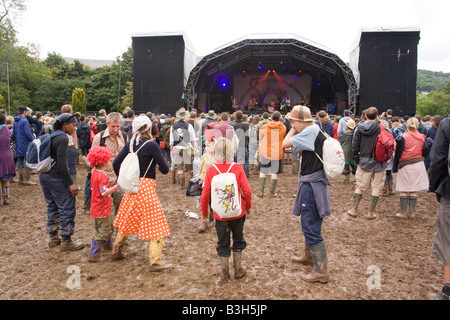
{"points": [[91, 63], [431, 80]]}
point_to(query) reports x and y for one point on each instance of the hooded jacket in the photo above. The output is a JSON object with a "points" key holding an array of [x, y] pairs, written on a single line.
{"points": [[363, 143], [271, 138], [439, 165], [22, 135], [83, 135], [326, 125], [127, 127]]}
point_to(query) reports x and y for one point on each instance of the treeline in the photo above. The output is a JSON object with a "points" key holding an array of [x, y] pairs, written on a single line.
{"points": [[47, 85], [433, 93], [430, 80]]}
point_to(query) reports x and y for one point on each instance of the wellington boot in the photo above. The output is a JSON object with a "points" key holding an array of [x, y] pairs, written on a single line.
{"points": [[27, 178], [117, 253], [203, 227], [372, 205], [353, 212], [391, 187], [174, 178], [155, 248], [262, 182], [306, 259], [319, 257], [6, 195], [273, 186], [225, 269], [94, 252], [182, 180], [21, 175], [239, 270], [385, 191]]}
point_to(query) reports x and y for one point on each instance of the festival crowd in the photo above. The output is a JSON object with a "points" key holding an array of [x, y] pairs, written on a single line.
{"points": [[200, 149]]}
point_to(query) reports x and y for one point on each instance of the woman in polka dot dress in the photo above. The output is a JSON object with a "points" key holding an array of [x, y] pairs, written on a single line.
{"points": [[142, 213]]}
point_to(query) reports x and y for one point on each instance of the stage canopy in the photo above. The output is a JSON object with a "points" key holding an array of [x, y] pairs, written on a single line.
{"points": [[332, 81]]}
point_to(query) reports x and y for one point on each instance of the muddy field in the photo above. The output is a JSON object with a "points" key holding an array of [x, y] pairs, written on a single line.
{"points": [[360, 252]]}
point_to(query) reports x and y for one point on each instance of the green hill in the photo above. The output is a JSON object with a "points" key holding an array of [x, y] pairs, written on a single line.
{"points": [[431, 80]]}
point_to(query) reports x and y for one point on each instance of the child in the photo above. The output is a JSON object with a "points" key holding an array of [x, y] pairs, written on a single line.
{"points": [[346, 141], [98, 157], [224, 155]]}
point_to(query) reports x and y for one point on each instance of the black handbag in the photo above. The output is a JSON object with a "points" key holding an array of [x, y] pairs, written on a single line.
{"points": [[195, 187]]}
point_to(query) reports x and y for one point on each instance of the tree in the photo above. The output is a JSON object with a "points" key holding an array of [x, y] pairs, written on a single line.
{"points": [[79, 100]]}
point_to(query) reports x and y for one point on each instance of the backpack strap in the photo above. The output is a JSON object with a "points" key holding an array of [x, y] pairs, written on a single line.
{"points": [[140, 146], [227, 170]]}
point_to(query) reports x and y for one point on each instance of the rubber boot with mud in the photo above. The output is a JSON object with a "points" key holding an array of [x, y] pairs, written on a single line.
{"points": [[306, 259], [117, 253], [182, 180], [273, 185], [27, 177], [174, 178], [94, 252], [319, 257], [353, 212], [225, 269], [412, 206], [68, 244], [262, 182], [155, 248], [391, 187], [372, 205], [385, 191], [5, 195], [239, 270], [403, 208]]}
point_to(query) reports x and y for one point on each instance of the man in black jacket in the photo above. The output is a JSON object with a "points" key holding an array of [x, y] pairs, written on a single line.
{"points": [[440, 184], [370, 172]]}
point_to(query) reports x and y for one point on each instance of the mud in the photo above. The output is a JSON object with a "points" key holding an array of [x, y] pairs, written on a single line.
{"points": [[383, 259]]}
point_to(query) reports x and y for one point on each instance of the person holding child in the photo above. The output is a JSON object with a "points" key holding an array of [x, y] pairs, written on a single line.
{"points": [[98, 158]]}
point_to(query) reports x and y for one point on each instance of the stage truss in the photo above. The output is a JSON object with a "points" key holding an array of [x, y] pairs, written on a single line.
{"points": [[327, 61]]}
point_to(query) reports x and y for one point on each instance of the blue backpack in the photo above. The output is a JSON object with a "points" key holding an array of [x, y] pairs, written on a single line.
{"points": [[39, 152]]}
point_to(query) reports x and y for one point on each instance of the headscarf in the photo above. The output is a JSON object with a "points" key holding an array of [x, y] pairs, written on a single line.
{"points": [[137, 124], [64, 118]]}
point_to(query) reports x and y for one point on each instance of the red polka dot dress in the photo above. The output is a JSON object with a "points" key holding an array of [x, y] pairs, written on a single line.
{"points": [[142, 213]]}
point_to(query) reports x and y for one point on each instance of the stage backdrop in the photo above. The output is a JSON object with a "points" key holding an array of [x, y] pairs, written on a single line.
{"points": [[272, 87]]}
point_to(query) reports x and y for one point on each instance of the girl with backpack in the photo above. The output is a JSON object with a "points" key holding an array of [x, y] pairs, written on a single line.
{"points": [[224, 155], [142, 213]]}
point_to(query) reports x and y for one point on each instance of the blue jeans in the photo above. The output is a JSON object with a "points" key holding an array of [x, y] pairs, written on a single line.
{"points": [[60, 205], [310, 219]]}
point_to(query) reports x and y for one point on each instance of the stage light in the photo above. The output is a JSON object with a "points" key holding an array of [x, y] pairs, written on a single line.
{"points": [[281, 62], [273, 71], [282, 68], [224, 84]]}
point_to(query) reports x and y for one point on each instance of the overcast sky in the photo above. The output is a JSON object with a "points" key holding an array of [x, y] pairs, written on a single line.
{"points": [[102, 29]]}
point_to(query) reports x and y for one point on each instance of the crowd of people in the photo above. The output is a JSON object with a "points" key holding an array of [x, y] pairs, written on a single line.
{"points": [[206, 145]]}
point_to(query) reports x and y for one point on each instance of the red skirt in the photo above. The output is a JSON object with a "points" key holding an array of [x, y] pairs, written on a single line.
{"points": [[142, 213]]}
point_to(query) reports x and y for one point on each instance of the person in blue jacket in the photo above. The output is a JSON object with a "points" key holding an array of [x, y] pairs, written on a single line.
{"points": [[23, 136]]}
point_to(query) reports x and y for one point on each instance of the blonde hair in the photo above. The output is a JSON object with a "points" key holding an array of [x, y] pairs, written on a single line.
{"points": [[412, 124], [67, 108], [385, 124], [223, 150]]}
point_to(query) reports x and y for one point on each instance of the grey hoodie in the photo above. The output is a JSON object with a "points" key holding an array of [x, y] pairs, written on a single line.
{"points": [[363, 143]]}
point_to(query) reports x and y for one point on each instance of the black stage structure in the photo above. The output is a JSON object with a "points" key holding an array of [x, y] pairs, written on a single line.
{"points": [[168, 74], [384, 62]]}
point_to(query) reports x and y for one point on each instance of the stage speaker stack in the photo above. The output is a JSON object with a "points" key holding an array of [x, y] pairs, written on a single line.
{"points": [[388, 69], [158, 72]]}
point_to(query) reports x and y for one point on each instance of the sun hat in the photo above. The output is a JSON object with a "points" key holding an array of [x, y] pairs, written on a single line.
{"points": [[300, 113], [211, 115], [181, 114], [351, 124]]}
